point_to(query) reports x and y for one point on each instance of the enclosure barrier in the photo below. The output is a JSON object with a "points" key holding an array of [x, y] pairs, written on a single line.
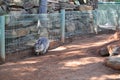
{"points": [[2, 39], [21, 31], [79, 22], [63, 25], [108, 15]]}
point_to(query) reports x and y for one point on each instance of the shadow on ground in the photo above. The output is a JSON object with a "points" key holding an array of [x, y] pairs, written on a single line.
{"points": [[75, 61]]}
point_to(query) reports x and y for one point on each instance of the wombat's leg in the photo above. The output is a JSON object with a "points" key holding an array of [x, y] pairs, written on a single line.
{"points": [[47, 51], [44, 51], [37, 53]]}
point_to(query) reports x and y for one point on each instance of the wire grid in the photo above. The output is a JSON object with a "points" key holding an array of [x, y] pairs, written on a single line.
{"points": [[22, 31], [108, 15], [78, 22]]}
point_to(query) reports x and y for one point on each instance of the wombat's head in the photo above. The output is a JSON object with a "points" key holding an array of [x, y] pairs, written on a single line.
{"points": [[38, 48]]}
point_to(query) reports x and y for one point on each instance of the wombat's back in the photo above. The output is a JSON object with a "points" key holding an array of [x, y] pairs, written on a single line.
{"points": [[42, 45]]}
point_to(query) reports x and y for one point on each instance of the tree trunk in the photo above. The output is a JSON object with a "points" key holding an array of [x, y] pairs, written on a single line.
{"points": [[43, 6]]}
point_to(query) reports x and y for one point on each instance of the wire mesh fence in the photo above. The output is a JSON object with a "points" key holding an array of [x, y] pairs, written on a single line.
{"points": [[21, 31], [108, 15], [79, 22]]}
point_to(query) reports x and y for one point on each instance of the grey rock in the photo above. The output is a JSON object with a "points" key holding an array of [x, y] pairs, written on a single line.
{"points": [[113, 50], [70, 27], [16, 33], [104, 52], [113, 62]]}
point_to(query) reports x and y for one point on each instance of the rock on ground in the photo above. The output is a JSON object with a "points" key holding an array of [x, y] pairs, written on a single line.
{"points": [[103, 51], [113, 49], [110, 49], [113, 62]]}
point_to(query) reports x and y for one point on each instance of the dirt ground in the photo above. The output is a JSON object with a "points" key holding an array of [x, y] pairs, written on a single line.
{"points": [[75, 61]]}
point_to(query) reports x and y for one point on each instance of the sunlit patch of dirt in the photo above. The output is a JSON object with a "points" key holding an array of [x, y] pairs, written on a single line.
{"points": [[75, 61]]}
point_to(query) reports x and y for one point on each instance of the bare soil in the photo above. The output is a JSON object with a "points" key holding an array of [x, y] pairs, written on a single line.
{"points": [[78, 60]]}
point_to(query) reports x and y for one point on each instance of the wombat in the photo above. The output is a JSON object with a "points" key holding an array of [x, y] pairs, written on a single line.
{"points": [[41, 46]]}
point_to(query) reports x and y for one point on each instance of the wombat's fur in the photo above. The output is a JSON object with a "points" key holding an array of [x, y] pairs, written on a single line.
{"points": [[41, 46]]}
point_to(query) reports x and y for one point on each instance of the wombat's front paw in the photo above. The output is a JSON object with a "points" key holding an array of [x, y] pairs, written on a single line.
{"points": [[37, 53], [43, 53]]}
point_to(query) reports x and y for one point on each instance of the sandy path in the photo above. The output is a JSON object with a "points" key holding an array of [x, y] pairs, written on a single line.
{"points": [[75, 61]]}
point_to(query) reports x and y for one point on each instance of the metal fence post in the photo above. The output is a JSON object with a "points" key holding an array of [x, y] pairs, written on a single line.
{"points": [[95, 15], [2, 38], [63, 25]]}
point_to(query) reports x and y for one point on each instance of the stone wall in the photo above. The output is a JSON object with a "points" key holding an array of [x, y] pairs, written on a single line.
{"points": [[16, 6]]}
